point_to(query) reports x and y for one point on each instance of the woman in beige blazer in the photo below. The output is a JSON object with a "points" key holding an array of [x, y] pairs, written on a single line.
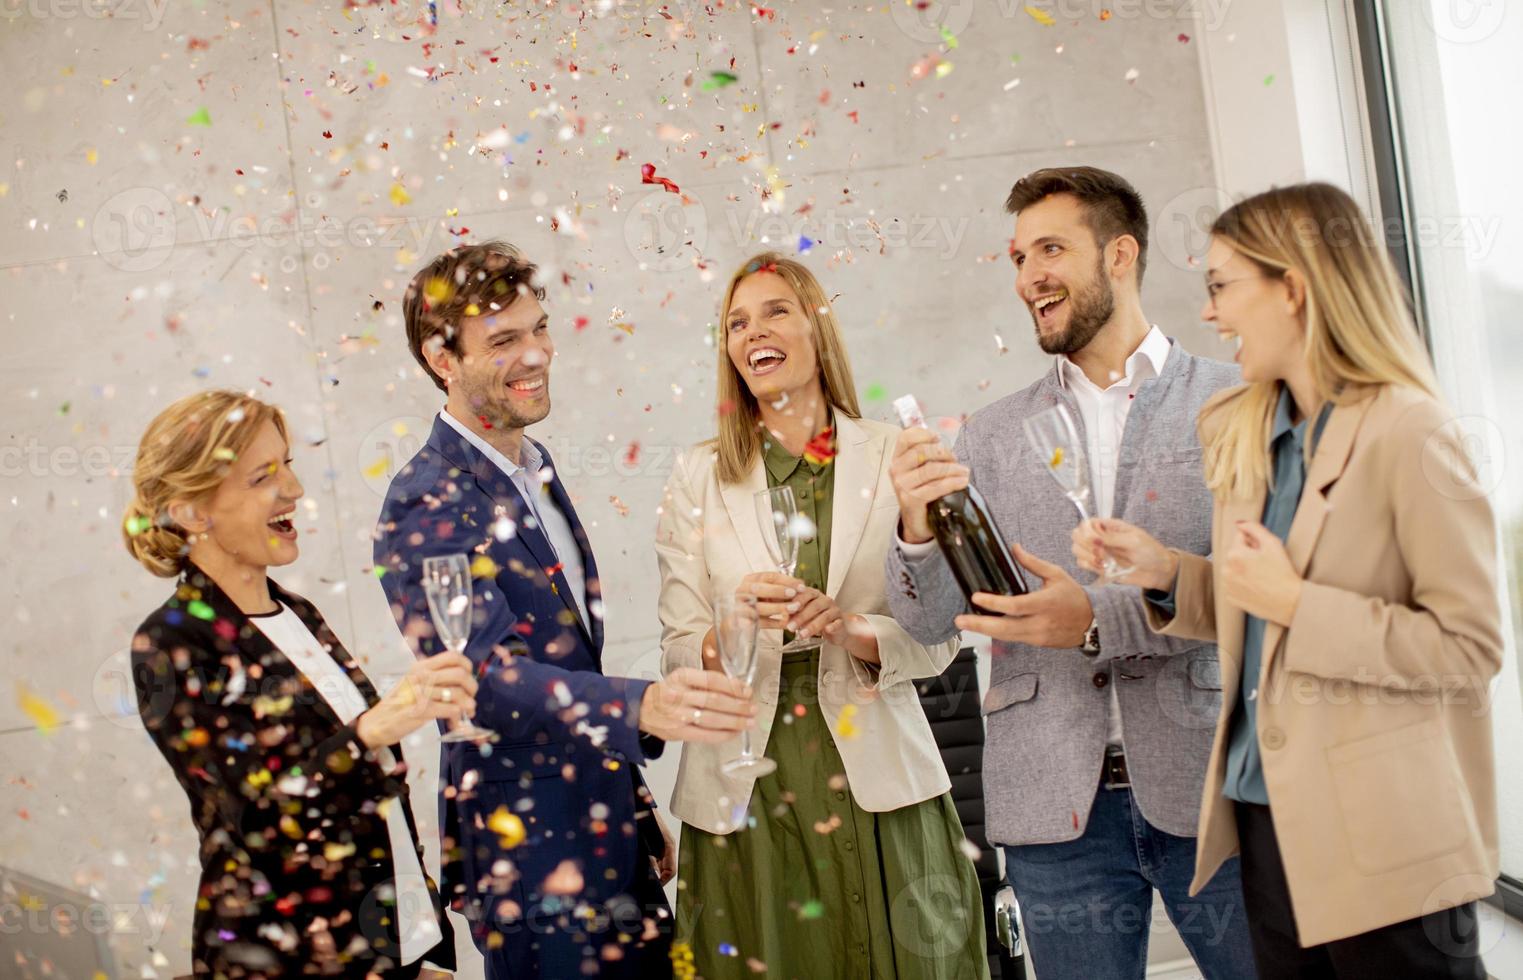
{"points": [[847, 860], [1353, 594]]}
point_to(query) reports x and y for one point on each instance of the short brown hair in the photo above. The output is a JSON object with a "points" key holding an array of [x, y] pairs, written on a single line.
{"points": [[468, 280], [1112, 206]]}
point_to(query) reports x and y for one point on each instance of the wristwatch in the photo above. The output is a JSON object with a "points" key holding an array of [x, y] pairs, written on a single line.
{"points": [[1091, 645]]}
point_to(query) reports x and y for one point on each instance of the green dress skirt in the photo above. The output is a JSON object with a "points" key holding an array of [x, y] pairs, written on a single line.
{"points": [[818, 888]]}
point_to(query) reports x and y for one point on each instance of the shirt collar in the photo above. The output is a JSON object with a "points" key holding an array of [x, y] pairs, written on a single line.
{"points": [[1284, 417], [1284, 421], [781, 464], [527, 451], [1146, 361]]}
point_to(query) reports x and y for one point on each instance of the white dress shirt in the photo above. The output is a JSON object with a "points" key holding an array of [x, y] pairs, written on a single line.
{"points": [[532, 486], [1103, 412], [417, 923]]}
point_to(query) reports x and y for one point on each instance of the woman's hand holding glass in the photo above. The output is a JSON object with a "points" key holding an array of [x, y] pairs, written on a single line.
{"points": [[784, 602], [439, 687], [778, 597], [1102, 540]]}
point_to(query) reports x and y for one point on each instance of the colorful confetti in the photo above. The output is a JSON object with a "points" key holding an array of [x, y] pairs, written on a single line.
{"points": [[846, 726], [42, 714], [822, 448], [648, 176], [719, 80]]}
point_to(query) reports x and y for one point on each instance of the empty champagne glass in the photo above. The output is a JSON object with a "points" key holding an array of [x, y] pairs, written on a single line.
{"points": [[736, 622], [782, 529], [447, 584], [1055, 440]]}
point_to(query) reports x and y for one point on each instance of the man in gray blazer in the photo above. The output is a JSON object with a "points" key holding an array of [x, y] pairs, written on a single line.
{"points": [[1098, 729]]}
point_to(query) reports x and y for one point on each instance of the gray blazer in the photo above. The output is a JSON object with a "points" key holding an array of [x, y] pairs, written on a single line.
{"points": [[1046, 710]]}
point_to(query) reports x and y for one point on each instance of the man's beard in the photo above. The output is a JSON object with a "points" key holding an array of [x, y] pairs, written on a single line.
{"points": [[1090, 308], [502, 412]]}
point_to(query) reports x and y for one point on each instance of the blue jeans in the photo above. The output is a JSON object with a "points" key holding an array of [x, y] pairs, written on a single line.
{"points": [[1087, 904]]}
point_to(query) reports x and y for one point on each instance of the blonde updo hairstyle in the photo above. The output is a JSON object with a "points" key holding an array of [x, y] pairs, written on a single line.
{"points": [[185, 455]]}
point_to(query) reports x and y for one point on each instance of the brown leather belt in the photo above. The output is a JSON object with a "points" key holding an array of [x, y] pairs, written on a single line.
{"points": [[1113, 773]]}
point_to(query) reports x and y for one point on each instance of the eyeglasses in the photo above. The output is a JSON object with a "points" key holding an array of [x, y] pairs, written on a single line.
{"points": [[1213, 287]]}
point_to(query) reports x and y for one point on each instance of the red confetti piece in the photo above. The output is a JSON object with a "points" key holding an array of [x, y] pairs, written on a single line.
{"points": [[764, 13], [580, 323], [648, 176], [1184, 39], [822, 448], [632, 454]]}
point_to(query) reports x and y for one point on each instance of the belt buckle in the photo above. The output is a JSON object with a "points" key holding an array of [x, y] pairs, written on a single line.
{"points": [[1116, 775]]}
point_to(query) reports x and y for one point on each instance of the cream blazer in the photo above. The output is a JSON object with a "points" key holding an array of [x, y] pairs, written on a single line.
{"points": [[709, 538], [1374, 717]]}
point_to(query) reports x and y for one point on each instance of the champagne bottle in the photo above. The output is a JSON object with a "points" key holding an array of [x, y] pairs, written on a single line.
{"points": [[965, 530]]}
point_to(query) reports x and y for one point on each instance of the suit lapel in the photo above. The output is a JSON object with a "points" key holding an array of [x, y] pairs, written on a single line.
{"points": [[740, 504], [1138, 430], [252, 646], [858, 457], [589, 563], [508, 502], [1327, 464]]}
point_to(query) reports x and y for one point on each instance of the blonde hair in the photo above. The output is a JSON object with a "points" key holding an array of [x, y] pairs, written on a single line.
{"points": [[185, 455], [1359, 329], [739, 440]]}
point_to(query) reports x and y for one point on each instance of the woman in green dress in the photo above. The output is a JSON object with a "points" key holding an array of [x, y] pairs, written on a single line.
{"points": [[848, 860]]}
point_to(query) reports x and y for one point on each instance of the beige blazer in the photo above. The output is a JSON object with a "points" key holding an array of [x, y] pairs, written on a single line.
{"points": [[1374, 713], [709, 538]]}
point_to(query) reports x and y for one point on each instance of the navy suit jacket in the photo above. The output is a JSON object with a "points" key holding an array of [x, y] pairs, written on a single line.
{"points": [[562, 783]]}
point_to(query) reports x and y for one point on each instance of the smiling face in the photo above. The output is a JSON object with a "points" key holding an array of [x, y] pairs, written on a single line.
{"points": [[1261, 312], [770, 337], [1061, 274], [249, 518], [502, 369]]}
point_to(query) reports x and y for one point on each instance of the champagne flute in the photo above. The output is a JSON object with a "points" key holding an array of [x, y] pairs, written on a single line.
{"points": [[781, 531], [735, 625], [447, 584], [1055, 440]]}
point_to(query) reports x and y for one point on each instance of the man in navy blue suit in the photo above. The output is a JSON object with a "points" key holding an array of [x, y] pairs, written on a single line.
{"points": [[550, 846]]}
